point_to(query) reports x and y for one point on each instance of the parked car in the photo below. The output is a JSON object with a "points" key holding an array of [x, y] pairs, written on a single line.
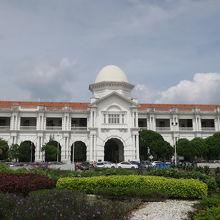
{"points": [[140, 165], [83, 165], [146, 164], [106, 164], [155, 163], [127, 165]]}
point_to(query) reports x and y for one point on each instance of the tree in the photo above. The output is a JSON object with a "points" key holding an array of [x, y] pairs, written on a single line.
{"points": [[25, 151], [213, 145], [3, 149], [199, 147], [184, 148], [159, 148], [13, 152], [52, 151]]}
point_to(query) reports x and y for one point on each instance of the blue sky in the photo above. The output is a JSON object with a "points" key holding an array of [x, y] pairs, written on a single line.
{"points": [[52, 49]]}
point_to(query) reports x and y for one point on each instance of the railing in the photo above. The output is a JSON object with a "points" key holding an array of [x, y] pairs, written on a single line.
{"points": [[185, 128], [79, 128], [54, 128], [27, 127], [208, 128], [163, 128], [4, 128]]}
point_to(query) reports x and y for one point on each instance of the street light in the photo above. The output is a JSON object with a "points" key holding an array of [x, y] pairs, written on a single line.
{"points": [[175, 153]]}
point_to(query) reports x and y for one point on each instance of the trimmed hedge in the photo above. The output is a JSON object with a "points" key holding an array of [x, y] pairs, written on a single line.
{"points": [[175, 173], [135, 185], [23, 183]]}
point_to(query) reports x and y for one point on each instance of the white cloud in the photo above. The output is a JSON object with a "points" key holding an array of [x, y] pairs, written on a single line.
{"points": [[44, 79], [145, 94], [203, 89]]}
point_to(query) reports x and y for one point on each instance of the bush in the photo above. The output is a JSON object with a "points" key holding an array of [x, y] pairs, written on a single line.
{"points": [[4, 168], [175, 173], [208, 203], [59, 205], [134, 185], [23, 183], [212, 214]]}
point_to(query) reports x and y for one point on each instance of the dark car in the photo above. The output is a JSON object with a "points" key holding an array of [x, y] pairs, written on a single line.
{"points": [[84, 166]]}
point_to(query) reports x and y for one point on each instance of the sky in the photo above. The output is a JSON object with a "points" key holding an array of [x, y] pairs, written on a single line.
{"points": [[51, 50]]}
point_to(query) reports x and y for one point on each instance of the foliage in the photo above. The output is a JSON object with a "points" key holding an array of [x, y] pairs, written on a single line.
{"points": [[23, 183], [134, 185], [213, 145], [52, 151], [25, 150], [200, 147], [175, 173], [208, 203], [57, 204], [212, 214], [3, 149], [13, 152], [4, 168], [159, 148]]}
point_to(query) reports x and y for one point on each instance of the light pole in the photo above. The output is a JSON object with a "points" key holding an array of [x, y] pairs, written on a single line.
{"points": [[175, 154]]}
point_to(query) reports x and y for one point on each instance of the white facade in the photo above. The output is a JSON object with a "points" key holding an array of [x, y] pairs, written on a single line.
{"points": [[112, 117]]}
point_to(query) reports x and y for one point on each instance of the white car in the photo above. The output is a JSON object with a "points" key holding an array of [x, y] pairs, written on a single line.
{"points": [[105, 164], [127, 165]]}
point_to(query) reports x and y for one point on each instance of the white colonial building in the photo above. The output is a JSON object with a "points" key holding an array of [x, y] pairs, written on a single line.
{"points": [[108, 125]]}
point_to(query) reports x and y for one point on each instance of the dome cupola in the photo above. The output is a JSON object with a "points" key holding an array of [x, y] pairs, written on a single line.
{"points": [[110, 79], [111, 73]]}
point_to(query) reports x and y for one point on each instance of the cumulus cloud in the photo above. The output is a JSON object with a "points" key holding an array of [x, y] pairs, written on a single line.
{"points": [[203, 89], [145, 94], [45, 80]]}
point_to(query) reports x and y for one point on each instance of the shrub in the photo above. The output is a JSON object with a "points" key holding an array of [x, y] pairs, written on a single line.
{"points": [[208, 203], [59, 205], [212, 214], [134, 185], [4, 168], [175, 173], [23, 183]]}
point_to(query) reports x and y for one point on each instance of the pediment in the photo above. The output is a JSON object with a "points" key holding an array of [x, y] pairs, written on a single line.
{"points": [[116, 96]]}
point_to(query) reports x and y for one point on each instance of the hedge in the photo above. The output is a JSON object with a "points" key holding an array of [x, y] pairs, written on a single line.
{"points": [[135, 185], [23, 183]]}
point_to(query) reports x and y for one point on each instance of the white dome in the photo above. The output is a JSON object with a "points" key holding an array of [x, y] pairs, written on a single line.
{"points": [[111, 73]]}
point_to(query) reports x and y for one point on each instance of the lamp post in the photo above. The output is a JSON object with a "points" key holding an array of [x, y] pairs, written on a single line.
{"points": [[175, 154]]}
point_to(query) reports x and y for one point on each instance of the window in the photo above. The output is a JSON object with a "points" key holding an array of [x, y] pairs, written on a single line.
{"points": [[113, 118]]}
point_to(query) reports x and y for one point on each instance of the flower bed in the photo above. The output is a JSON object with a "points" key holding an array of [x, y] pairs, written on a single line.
{"points": [[61, 204], [23, 183], [134, 185]]}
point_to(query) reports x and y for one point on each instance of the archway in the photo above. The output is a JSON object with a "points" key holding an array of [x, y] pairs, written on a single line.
{"points": [[27, 151], [52, 151], [114, 150], [78, 151]]}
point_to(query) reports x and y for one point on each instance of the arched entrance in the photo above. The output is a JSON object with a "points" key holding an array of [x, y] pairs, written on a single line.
{"points": [[78, 152], [27, 151], [114, 150]]}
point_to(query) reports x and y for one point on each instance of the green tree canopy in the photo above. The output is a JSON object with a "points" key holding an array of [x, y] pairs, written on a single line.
{"points": [[3, 149], [25, 151], [184, 148], [199, 147], [159, 148], [213, 145], [14, 152], [52, 151]]}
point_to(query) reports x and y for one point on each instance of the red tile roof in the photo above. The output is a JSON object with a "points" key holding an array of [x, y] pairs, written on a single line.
{"points": [[53, 105], [84, 105]]}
